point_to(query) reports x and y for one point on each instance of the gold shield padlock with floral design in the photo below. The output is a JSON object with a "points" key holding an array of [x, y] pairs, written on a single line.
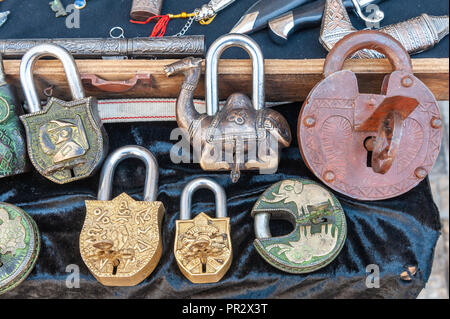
{"points": [[66, 140], [121, 238], [203, 245]]}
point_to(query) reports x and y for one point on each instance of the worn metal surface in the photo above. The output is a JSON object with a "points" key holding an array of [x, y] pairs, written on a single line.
{"points": [[141, 10], [66, 140], [120, 241], [164, 47], [13, 152], [320, 227], [202, 246], [243, 135], [416, 35], [337, 121], [19, 246]]}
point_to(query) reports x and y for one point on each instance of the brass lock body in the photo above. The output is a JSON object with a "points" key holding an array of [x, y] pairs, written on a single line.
{"points": [[202, 246], [13, 147], [243, 134], [66, 140], [369, 146], [320, 227], [121, 241], [19, 246]]}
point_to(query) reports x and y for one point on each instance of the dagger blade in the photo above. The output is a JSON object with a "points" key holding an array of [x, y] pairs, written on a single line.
{"points": [[259, 14], [304, 17]]}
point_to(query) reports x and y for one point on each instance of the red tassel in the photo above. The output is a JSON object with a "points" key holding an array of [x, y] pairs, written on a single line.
{"points": [[160, 27]]}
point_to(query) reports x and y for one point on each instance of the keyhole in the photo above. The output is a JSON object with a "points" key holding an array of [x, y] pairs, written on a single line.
{"points": [[116, 263], [72, 172], [368, 145]]}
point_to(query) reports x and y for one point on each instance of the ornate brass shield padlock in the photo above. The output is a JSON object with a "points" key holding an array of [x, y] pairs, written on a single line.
{"points": [[370, 146], [19, 246], [320, 227], [242, 135], [66, 140], [203, 245], [13, 148], [120, 241]]}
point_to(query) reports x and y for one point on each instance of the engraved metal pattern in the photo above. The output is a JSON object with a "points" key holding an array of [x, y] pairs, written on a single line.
{"points": [[120, 241], [241, 121], [98, 47], [319, 226], [13, 157], [416, 35], [143, 9], [336, 121], [66, 140], [19, 246]]}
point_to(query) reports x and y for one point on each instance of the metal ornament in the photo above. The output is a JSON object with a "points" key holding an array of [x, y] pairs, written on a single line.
{"points": [[120, 241], [370, 146], [242, 127], [320, 227], [13, 152], [164, 47], [141, 10], [66, 140], [19, 246], [4, 17], [202, 245], [416, 35]]}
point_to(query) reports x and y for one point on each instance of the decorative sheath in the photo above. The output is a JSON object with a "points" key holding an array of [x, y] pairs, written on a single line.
{"points": [[370, 146], [19, 246]]}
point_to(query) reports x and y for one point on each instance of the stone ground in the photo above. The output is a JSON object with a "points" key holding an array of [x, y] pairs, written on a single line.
{"points": [[437, 286]]}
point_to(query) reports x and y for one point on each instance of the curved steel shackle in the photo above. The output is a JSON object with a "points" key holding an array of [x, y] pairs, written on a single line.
{"points": [[195, 184], [26, 73], [212, 60], [139, 152]]}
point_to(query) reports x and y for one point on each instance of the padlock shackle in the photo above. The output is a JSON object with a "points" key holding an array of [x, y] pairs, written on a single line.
{"points": [[26, 73], [194, 185], [212, 61], [367, 39], [131, 151]]}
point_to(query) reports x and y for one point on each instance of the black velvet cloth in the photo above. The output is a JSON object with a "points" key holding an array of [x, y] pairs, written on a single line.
{"points": [[392, 233]]}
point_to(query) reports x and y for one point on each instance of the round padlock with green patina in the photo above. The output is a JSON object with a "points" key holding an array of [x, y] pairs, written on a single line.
{"points": [[319, 224], [19, 246]]}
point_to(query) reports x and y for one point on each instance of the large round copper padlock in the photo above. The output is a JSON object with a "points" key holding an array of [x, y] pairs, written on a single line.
{"points": [[370, 146]]}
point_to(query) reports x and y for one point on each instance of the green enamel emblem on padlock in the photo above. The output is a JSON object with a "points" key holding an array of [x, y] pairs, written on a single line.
{"points": [[19, 246], [319, 224]]}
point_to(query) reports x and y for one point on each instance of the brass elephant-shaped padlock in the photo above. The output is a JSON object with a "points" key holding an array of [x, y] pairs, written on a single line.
{"points": [[370, 146], [243, 134], [66, 140], [202, 245], [121, 238]]}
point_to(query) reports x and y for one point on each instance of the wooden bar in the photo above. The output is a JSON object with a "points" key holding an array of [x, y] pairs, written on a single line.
{"points": [[286, 80]]}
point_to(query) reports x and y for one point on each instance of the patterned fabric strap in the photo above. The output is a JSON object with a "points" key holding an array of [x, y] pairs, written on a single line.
{"points": [[146, 110]]}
